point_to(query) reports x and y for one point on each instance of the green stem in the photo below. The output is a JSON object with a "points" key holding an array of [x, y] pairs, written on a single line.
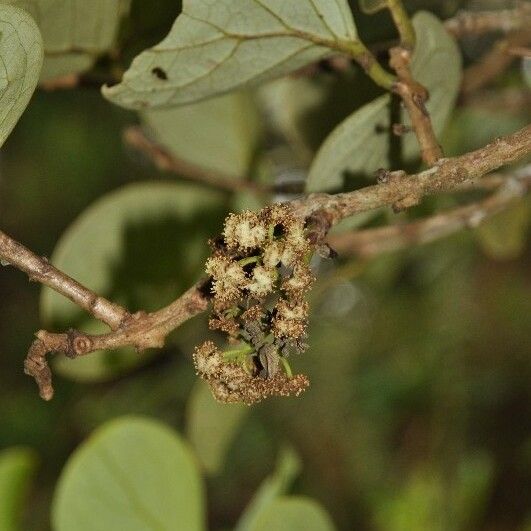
{"points": [[238, 353], [287, 368], [249, 260], [271, 233], [402, 23], [363, 56]]}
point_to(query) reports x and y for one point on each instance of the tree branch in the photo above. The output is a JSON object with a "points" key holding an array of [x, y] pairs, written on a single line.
{"points": [[475, 23], [165, 161], [321, 211], [141, 331], [40, 270], [494, 62], [414, 96], [372, 242], [401, 191]]}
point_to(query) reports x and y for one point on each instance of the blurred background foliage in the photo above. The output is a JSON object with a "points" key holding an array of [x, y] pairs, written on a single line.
{"points": [[419, 411]]}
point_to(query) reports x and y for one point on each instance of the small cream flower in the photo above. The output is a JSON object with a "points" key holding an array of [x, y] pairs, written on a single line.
{"points": [[244, 231], [262, 282], [278, 252], [228, 278]]}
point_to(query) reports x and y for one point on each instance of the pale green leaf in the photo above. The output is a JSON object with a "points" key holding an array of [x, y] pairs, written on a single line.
{"points": [[211, 426], [504, 236], [21, 61], [132, 474], [271, 489], [219, 134], [16, 468], [293, 513], [360, 144], [306, 109], [75, 32], [57, 66], [287, 101], [356, 146], [473, 127], [215, 47], [167, 224]]}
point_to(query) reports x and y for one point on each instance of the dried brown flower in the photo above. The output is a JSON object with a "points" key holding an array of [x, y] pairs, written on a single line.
{"points": [[290, 319], [299, 282], [231, 383]]}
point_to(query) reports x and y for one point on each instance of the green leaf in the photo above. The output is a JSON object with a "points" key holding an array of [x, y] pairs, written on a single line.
{"points": [[16, 468], [219, 134], [133, 473], [211, 426], [215, 47], [306, 109], [504, 236], [360, 144], [75, 32], [141, 245], [471, 128], [271, 489], [21, 59], [293, 513], [354, 146]]}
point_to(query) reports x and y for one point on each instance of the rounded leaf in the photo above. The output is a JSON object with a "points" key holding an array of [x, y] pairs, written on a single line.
{"points": [[16, 467], [74, 31], [291, 513], [141, 245], [134, 474], [21, 55], [219, 134], [211, 426], [216, 47], [287, 468]]}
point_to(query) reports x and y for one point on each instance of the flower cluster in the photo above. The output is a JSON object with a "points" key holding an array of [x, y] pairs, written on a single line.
{"points": [[230, 382], [260, 273]]}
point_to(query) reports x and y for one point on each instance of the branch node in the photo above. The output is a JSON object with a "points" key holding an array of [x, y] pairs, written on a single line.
{"points": [[78, 344], [318, 224], [401, 129], [406, 202], [384, 176]]}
